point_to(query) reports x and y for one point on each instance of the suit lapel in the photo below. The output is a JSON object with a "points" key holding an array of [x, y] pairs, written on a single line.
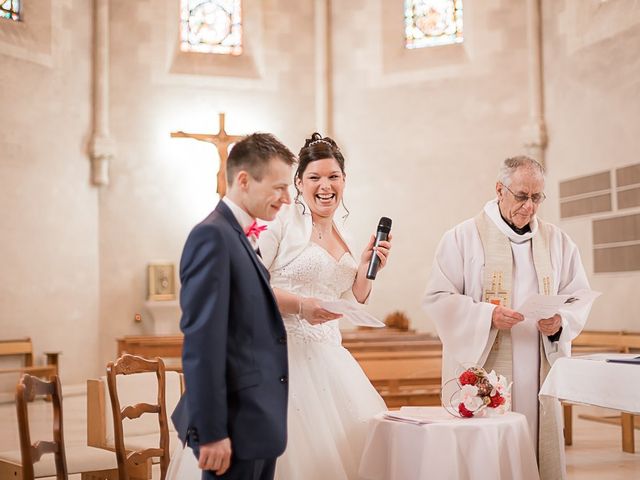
{"points": [[254, 258], [228, 215]]}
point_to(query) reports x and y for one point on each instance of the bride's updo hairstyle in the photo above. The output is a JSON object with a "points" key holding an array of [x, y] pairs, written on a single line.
{"points": [[317, 148]]}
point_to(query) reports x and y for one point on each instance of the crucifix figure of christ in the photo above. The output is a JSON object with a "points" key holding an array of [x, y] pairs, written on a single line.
{"points": [[222, 140]]}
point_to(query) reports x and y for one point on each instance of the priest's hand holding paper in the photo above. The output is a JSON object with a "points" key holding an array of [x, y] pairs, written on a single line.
{"points": [[504, 318], [546, 309], [550, 326]]}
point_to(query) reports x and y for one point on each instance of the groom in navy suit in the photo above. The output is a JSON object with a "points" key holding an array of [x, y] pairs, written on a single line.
{"points": [[234, 409]]}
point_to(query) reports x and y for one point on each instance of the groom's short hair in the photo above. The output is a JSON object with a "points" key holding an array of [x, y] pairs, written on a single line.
{"points": [[254, 152]]}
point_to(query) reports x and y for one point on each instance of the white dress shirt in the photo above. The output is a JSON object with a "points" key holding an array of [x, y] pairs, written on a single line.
{"points": [[244, 219]]}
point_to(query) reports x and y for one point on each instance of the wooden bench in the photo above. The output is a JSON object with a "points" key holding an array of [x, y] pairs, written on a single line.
{"points": [[410, 377], [23, 348], [404, 367], [384, 335], [389, 340], [167, 347], [606, 341]]}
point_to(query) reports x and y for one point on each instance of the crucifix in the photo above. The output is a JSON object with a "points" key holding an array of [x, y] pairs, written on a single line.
{"points": [[221, 140]]}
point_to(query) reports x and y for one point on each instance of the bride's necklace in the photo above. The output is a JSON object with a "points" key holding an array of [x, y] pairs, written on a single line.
{"points": [[320, 232]]}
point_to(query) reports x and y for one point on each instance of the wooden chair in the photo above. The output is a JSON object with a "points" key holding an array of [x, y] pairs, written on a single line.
{"points": [[132, 389], [130, 462], [26, 391], [29, 463]]}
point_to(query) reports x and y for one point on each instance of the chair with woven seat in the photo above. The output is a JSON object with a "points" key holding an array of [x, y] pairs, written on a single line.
{"points": [[133, 463], [51, 458]]}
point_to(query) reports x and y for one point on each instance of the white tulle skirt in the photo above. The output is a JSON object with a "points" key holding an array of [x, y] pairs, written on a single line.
{"points": [[183, 464], [330, 404]]}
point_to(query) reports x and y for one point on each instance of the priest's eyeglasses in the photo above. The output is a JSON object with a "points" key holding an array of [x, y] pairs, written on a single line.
{"points": [[536, 198]]}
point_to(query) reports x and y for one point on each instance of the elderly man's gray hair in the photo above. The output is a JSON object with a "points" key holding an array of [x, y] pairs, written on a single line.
{"points": [[510, 165]]}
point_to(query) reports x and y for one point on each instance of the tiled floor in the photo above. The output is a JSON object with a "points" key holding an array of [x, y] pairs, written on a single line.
{"points": [[596, 452]]}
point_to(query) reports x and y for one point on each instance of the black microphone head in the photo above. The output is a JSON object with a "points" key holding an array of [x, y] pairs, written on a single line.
{"points": [[384, 224]]}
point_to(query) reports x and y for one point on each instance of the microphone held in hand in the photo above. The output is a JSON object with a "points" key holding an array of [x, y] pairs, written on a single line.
{"points": [[384, 227]]}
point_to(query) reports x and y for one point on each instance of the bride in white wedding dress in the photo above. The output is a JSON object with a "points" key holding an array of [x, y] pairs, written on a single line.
{"points": [[330, 398]]}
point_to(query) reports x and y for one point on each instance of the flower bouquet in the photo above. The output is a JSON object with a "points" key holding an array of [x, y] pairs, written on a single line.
{"points": [[478, 394]]}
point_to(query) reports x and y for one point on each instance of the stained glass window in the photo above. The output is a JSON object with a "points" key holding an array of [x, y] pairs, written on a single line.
{"points": [[10, 9], [429, 23], [211, 26]]}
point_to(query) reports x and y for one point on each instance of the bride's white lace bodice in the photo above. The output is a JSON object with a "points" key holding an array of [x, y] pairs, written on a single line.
{"points": [[315, 273]]}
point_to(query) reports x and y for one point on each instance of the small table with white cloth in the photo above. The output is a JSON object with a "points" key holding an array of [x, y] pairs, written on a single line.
{"points": [[493, 448], [591, 380]]}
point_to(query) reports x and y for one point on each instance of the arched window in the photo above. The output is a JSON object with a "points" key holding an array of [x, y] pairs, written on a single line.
{"points": [[10, 9], [211, 26], [430, 23]]}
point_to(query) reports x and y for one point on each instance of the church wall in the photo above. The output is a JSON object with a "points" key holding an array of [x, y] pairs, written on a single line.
{"points": [[592, 87], [49, 213], [161, 187], [424, 131]]}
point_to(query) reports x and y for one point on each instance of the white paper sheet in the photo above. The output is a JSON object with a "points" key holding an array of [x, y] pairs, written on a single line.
{"points": [[419, 415], [546, 306], [352, 312], [398, 417]]}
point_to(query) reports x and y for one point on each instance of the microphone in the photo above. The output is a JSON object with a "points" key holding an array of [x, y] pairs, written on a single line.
{"points": [[384, 227]]}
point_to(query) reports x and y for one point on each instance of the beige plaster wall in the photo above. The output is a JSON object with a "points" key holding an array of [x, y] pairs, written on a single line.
{"points": [[48, 210], [592, 82], [161, 187], [424, 130]]}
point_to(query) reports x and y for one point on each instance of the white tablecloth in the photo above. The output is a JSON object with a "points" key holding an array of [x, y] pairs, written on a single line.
{"points": [[593, 381], [461, 449]]}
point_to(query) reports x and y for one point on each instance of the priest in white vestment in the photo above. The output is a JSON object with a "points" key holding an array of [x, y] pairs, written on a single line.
{"points": [[484, 270]]}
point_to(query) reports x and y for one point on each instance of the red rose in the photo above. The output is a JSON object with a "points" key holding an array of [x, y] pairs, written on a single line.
{"points": [[463, 411], [496, 400], [468, 378]]}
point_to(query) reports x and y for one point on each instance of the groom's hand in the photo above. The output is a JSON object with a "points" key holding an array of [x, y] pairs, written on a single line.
{"points": [[216, 456]]}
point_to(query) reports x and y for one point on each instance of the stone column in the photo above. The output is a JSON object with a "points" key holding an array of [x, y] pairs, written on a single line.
{"points": [[102, 147], [535, 132], [323, 74]]}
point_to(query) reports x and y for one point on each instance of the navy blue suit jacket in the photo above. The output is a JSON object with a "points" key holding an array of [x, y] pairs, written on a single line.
{"points": [[235, 354]]}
